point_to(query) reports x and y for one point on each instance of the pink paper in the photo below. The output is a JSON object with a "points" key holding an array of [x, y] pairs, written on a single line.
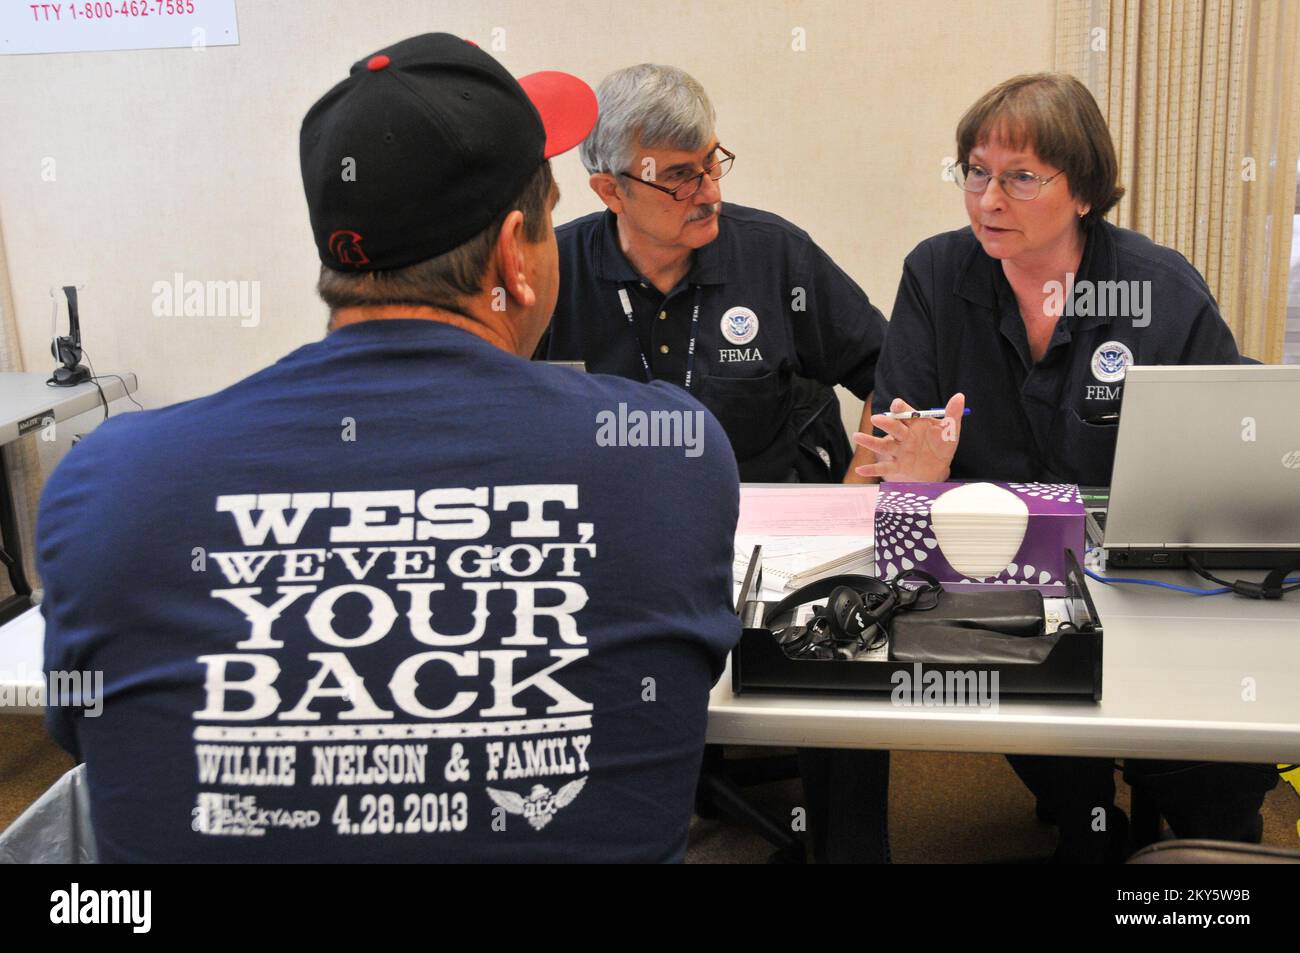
{"points": [[808, 509]]}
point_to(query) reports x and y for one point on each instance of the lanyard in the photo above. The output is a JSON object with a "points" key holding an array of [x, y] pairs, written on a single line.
{"points": [[690, 350]]}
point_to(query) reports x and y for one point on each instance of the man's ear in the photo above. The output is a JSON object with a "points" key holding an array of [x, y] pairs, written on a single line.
{"points": [[510, 260], [606, 188]]}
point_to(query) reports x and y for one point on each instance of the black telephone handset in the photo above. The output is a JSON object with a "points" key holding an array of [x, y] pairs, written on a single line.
{"points": [[67, 349]]}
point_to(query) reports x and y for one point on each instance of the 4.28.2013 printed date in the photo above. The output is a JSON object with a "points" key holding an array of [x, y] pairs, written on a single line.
{"points": [[424, 814]]}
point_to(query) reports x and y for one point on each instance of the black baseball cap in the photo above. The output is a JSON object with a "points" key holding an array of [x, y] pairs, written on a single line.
{"points": [[424, 145]]}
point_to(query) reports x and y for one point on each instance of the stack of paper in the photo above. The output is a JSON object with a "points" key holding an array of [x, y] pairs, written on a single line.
{"points": [[793, 561], [807, 532]]}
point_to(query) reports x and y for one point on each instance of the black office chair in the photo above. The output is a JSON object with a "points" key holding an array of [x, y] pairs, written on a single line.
{"points": [[824, 455], [719, 795], [718, 792]]}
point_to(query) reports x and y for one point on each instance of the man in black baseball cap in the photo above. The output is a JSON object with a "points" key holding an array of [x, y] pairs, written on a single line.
{"points": [[387, 598], [411, 165]]}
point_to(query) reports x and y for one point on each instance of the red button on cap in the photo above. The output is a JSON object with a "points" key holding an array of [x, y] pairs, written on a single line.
{"points": [[376, 63]]}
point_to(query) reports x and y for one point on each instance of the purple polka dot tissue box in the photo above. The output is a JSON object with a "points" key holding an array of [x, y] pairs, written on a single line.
{"points": [[980, 535]]}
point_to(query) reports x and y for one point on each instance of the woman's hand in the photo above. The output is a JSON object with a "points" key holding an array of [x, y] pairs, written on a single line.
{"points": [[916, 451]]}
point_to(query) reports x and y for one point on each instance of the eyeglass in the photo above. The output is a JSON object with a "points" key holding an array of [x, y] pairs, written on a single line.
{"points": [[689, 185], [1020, 184]]}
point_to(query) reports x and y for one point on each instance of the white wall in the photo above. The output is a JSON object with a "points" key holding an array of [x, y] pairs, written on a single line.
{"points": [[177, 160]]}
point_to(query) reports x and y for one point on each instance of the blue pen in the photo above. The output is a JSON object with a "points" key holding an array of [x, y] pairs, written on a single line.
{"points": [[936, 413]]}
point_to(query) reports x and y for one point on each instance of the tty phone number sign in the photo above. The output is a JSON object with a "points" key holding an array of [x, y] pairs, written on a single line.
{"points": [[89, 25]]}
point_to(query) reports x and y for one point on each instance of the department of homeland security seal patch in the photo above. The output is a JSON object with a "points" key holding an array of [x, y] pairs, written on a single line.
{"points": [[1110, 361], [739, 325]]}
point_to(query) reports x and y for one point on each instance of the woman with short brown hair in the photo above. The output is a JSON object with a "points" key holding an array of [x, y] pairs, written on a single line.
{"points": [[1032, 314]]}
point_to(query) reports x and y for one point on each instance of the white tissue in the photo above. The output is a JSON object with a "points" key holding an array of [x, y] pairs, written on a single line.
{"points": [[980, 528]]}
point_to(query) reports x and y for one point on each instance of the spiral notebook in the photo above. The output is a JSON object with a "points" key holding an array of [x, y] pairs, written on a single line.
{"points": [[807, 532], [793, 561]]}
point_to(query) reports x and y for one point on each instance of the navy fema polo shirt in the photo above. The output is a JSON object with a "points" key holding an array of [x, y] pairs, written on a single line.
{"points": [[390, 599], [956, 326], [772, 304]]}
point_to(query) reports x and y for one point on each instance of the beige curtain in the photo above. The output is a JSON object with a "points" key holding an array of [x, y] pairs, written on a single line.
{"points": [[25, 477], [1202, 100]]}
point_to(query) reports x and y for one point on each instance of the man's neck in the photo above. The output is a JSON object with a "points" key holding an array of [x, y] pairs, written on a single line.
{"points": [[498, 333], [663, 266]]}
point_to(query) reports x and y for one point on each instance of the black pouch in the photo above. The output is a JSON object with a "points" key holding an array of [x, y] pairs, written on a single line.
{"points": [[824, 451], [975, 627]]}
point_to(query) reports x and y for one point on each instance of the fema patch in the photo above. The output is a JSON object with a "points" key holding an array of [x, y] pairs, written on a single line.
{"points": [[1110, 361], [739, 325]]}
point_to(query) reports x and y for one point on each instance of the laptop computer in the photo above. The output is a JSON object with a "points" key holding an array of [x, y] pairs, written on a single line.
{"points": [[1207, 462]]}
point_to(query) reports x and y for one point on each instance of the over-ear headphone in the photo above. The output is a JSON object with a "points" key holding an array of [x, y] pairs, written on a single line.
{"points": [[856, 616]]}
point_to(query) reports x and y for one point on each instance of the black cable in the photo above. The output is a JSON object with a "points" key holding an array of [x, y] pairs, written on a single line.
{"points": [[827, 634], [1196, 567], [125, 391], [102, 397], [1242, 587], [94, 378]]}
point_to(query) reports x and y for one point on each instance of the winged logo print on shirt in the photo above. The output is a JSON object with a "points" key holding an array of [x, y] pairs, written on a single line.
{"points": [[540, 806]]}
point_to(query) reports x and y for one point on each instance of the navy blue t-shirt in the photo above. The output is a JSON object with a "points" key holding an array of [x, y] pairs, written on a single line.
{"points": [[772, 306], [400, 596], [956, 326]]}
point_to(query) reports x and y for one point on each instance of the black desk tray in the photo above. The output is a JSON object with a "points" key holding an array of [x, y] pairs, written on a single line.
{"points": [[1072, 668]]}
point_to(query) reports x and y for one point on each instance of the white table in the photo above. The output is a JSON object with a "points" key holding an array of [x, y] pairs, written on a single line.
{"points": [[22, 663], [1173, 669], [27, 399], [27, 404]]}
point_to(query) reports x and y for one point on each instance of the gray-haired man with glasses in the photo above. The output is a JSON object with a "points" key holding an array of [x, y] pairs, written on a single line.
{"points": [[741, 309], [736, 305]]}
